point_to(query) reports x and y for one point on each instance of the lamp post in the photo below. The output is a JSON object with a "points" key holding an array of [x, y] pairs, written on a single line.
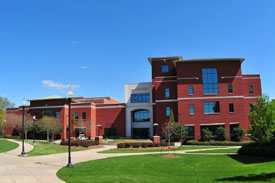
{"points": [[23, 130], [69, 96], [98, 126], [180, 127], [5, 124], [155, 129], [34, 129]]}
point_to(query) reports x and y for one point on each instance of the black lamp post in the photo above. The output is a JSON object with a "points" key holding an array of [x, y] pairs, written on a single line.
{"points": [[155, 129], [23, 130], [34, 129], [69, 96]]}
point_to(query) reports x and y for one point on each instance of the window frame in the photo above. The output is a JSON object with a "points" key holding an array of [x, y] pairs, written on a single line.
{"points": [[191, 107], [210, 81], [208, 105], [164, 68], [84, 115], [250, 89], [231, 107], [141, 114], [167, 92], [191, 87], [76, 115], [140, 98], [167, 111], [228, 88]]}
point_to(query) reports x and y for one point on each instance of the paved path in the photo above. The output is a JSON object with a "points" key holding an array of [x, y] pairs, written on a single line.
{"points": [[36, 169]]}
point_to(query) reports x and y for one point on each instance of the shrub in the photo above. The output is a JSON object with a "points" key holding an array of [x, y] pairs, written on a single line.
{"points": [[217, 143], [221, 134], [142, 144], [82, 143], [206, 134], [136, 145], [237, 134]]}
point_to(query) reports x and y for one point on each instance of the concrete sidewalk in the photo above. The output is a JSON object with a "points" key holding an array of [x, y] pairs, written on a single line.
{"points": [[14, 169]]}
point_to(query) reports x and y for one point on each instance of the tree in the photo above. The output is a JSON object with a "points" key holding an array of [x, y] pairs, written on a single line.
{"points": [[4, 103], [14, 121], [50, 125], [262, 120], [221, 134], [237, 134], [206, 134]]}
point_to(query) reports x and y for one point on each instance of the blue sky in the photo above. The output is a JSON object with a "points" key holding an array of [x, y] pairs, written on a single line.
{"points": [[98, 46]]}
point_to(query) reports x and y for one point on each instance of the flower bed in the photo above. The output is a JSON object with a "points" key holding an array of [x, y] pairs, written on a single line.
{"points": [[81, 143], [142, 145]]}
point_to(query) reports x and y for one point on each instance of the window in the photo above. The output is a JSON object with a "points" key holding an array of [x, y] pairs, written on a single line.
{"points": [[230, 89], [83, 115], [211, 107], [251, 107], [164, 68], [191, 109], [167, 92], [140, 98], [231, 108], [57, 115], [190, 131], [250, 88], [141, 116], [168, 111], [191, 90], [212, 128], [210, 81], [46, 112], [110, 132], [76, 115]]}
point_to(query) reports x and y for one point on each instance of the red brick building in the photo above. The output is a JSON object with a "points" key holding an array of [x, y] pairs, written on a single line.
{"points": [[202, 93]]}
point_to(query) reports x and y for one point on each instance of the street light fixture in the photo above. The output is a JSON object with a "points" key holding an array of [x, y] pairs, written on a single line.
{"points": [[69, 96], [155, 129], [34, 129], [23, 130], [98, 126]]}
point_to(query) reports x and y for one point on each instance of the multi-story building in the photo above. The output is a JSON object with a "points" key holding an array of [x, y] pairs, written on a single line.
{"points": [[201, 93]]}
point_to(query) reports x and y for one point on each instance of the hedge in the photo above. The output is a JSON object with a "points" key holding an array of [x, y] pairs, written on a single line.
{"points": [[82, 143], [217, 143], [142, 144], [266, 150]]}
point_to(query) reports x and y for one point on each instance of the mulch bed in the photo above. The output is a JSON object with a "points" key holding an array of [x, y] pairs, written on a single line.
{"points": [[79, 147], [148, 148], [170, 156]]}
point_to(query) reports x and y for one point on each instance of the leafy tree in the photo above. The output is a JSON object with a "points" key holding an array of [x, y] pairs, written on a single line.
{"points": [[4, 103], [237, 134], [206, 134], [221, 134], [262, 119], [50, 125]]}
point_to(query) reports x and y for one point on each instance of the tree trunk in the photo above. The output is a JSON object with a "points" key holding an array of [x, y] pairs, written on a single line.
{"points": [[52, 137], [48, 136]]}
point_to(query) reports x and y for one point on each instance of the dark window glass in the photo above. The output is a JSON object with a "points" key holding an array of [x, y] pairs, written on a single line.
{"points": [[46, 112], [57, 115], [211, 107], [251, 108], [167, 92], [141, 116], [250, 88], [83, 115], [140, 98], [110, 132], [230, 88], [210, 81], [191, 90], [76, 115], [168, 111], [231, 107], [190, 131], [164, 68], [191, 109]]}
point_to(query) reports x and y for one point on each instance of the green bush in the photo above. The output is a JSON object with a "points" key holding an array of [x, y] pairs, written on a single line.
{"points": [[82, 143], [221, 134], [256, 149], [217, 143], [206, 134], [142, 144], [237, 134]]}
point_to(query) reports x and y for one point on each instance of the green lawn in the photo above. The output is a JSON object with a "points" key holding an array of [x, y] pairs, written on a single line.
{"points": [[189, 168], [6, 145], [44, 148], [156, 150], [235, 150]]}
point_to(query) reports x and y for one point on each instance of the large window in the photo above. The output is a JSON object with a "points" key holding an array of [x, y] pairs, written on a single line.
{"points": [[140, 98], [191, 90], [83, 115], [141, 116], [168, 111], [47, 112], [191, 109], [210, 81], [167, 92], [211, 107], [250, 88], [164, 68]]}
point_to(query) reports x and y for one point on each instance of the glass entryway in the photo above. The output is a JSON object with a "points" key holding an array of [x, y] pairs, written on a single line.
{"points": [[140, 133]]}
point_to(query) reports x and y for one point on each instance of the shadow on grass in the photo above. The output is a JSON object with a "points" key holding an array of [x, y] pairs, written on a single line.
{"points": [[251, 159], [250, 178]]}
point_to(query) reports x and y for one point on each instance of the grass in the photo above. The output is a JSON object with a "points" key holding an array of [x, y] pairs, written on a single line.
{"points": [[232, 150], [45, 148], [189, 168], [6, 145], [155, 150]]}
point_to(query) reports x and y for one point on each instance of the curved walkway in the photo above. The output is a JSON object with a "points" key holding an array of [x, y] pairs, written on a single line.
{"points": [[14, 169]]}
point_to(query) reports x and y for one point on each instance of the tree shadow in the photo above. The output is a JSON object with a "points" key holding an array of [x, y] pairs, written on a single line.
{"points": [[251, 159], [250, 178]]}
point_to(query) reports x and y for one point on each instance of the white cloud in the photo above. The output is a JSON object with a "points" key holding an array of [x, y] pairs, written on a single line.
{"points": [[58, 86], [83, 67]]}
